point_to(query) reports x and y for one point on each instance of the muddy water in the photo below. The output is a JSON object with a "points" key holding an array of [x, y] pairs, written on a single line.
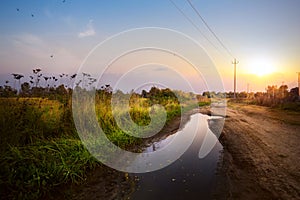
{"points": [[190, 177]]}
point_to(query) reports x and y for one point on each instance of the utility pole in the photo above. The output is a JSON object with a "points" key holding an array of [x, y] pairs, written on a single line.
{"points": [[248, 88], [298, 85], [235, 63]]}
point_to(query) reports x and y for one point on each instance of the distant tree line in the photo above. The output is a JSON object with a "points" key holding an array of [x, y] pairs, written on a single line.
{"points": [[273, 96], [58, 87]]}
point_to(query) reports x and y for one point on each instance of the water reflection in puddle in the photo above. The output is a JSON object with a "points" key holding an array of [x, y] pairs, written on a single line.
{"points": [[189, 177]]}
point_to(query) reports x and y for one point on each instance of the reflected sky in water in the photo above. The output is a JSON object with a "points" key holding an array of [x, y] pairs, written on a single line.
{"points": [[187, 178]]}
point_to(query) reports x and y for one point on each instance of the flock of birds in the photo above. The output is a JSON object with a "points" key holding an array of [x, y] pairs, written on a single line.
{"points": [[36, 71], [38, 75], [32, 15]]}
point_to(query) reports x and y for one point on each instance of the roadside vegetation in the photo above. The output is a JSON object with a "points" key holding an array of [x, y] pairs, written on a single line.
{"points": [[40, 147], [274, 97]]}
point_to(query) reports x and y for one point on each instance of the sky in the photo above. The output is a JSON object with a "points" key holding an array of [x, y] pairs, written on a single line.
{"points": [[263, 35]]}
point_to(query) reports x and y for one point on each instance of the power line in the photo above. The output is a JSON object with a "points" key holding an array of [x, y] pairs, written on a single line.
{"points": [[214, 34], [196, 27], [235, 62], [189, 19]]}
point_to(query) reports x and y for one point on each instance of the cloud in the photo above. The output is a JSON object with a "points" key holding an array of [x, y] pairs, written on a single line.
{"points": [[90, 31]]}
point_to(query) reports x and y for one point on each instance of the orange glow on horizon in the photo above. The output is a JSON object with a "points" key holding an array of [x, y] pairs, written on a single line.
{"points": [[261, 67]]}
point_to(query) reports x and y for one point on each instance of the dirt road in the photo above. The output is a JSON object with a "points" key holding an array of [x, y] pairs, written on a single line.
{"points": [[261, 154]]}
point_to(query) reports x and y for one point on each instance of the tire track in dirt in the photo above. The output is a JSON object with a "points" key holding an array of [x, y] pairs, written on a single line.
{"points": [[260, 156]]}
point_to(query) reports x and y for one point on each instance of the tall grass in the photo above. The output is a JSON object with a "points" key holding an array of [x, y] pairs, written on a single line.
{"points": [[37, 151], [31, 171], [139, 110], [40, 148], [27, 120]]}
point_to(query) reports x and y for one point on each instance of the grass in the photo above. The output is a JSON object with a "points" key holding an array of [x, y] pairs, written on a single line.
{"points": [[37, 151], [40, 148], [292, 106], [28, 172], [280, 104], [26, 120], [204, 103], [290, 115]]}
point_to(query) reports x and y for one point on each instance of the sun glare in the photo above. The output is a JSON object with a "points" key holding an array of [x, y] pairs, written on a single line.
{"points": [[261, 70], [261, 67]]}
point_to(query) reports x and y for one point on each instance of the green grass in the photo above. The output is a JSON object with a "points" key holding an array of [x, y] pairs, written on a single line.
{"points": [[32, 171], [204, 103], [38, 152], [267, 102], [40, 148], [26, 120], [292, 106]]}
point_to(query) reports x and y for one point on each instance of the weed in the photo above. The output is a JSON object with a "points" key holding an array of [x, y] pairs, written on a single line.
{"points": [[40, 148]]}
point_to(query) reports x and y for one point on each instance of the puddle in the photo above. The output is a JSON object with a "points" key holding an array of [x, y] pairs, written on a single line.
{"points": [[192, 176]]}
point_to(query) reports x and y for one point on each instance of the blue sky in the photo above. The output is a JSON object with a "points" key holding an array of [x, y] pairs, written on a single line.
{"points": [[261, 34]]}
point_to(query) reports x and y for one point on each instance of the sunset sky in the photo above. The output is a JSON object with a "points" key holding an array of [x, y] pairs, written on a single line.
{"points": [[264, 35]]}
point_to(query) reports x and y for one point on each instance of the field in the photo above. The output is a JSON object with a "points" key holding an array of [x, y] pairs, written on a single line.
{"points": [[40, 148], [42, 155]]}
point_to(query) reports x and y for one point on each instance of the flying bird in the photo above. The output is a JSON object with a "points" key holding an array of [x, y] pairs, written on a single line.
{"points": [[18, 9], [51, 56], [32, 15]]}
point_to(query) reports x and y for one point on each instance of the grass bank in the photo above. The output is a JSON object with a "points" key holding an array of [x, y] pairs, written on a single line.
{"points": [[40, 148]]}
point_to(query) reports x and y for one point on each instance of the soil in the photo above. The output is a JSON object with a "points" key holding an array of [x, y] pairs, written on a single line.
{"points": [[261, 154]]}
